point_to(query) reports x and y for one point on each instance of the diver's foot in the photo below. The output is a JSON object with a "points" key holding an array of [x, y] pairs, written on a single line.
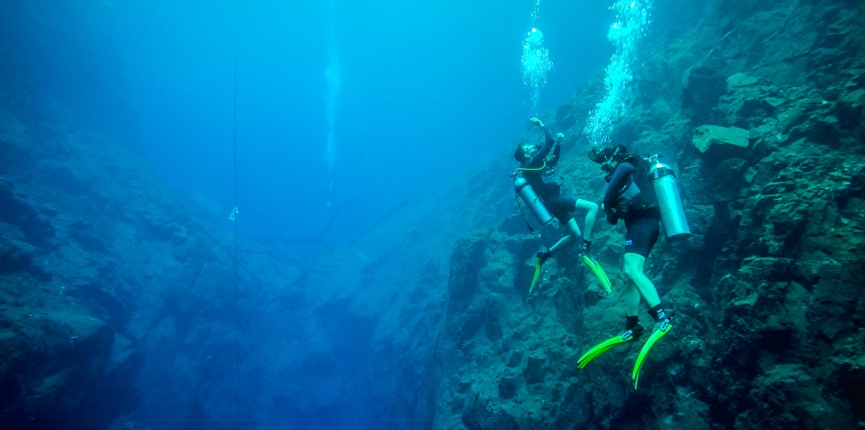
{"points": [[537, 121], [543, 255], [559, 137], [663, 318], [663, 324], [632, 333]]}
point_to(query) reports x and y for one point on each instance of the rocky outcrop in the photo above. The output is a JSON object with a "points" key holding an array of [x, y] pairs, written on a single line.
{"points": [[719, 143], [119, 300], [766, 125], [122, 306]]}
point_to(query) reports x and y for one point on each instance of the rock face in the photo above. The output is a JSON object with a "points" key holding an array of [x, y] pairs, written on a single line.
{"points": [[767, 132], [64, 363], [121, 305]]}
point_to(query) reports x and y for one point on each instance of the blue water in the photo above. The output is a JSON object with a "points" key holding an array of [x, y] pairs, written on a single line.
{"points": [[426, 90], [295, 112]]}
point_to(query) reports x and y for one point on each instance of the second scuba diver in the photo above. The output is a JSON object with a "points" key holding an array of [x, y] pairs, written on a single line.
{"points": [[540, 188], [631, 198]]}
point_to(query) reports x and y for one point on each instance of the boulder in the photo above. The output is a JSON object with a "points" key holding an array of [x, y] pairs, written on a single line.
{"points": [[719, 143], [741, 80]]}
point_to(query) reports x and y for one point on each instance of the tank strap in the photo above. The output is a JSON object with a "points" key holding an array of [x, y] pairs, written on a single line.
{"points": [[522, 214]]}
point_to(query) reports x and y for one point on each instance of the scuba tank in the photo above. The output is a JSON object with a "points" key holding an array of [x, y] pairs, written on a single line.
{"points": [[522, 187], [669, 203]]}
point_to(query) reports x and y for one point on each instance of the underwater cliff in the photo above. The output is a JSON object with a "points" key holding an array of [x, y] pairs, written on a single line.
{"points": [[124, 305], [760, 107]]}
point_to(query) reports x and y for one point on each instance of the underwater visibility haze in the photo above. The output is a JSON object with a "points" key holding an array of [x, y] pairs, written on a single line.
{"points": [[364, 104], [388, 215]]}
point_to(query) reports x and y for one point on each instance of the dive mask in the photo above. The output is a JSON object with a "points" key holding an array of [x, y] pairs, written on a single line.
{"points": [[608, 168], [607, 153], [607, 157]]}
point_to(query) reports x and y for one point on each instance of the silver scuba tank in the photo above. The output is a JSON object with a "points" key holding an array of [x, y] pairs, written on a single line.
{"points": [[669, 203], [521, 185]]}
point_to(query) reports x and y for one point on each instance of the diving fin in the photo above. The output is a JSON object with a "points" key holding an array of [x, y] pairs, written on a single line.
{"points": [[537, 274], [598, 270], [605, 346], [661, 330]]}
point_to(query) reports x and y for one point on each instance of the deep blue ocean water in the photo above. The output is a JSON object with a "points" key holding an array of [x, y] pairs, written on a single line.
{"points": [[293, 111], [420, 91]]}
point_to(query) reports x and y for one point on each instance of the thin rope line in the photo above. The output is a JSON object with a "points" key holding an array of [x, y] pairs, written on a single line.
{"points": [[236, 264]]}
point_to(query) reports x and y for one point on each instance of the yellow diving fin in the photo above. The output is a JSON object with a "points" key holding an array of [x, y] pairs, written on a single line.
{"points": [[604, 347], [598, 270], [537, 274], [663, 329]]}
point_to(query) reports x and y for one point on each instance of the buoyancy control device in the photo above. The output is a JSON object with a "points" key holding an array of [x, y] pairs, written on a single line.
{"points": [[669, 202], [531, 199]]}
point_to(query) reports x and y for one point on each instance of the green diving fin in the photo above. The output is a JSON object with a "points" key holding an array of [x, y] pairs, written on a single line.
{"points": [[605, 346], [598, 270], [663, 329], [537, 274]]}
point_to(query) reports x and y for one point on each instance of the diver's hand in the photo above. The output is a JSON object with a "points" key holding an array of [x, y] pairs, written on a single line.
{"points": [[537, 121]]}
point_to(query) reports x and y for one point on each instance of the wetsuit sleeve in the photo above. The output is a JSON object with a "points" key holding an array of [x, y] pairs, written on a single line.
{"points": [[619, 180], [555, 158], [537, 160]]}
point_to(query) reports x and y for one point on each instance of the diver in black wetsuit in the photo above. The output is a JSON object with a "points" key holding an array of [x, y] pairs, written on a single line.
{"points": [[631, 198], [539, 170]]}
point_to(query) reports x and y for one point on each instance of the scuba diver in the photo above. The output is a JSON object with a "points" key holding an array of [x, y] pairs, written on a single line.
{"points": [[632, 198], [537, 183]]}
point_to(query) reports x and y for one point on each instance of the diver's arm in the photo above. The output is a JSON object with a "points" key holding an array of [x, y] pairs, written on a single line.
{"points": [[557, 148], [619, 180], [537, 159]]}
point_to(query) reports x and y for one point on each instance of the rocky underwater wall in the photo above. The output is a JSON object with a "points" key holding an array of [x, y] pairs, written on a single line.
{"points": [[121, 306], [759, 107], [117, 296]]}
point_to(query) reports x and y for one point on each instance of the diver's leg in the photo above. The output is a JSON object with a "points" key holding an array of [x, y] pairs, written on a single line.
{"points": [[631, 296], [575, 232], [639, 240], [642, 285], [591, 214]]}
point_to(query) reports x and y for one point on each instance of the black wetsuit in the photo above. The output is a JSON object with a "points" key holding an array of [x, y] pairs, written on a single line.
{"points": [[638, 207], [545, 182]]}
